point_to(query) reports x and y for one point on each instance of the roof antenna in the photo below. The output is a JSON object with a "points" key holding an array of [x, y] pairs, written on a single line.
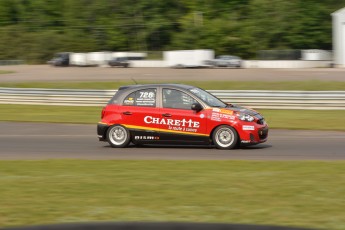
{"points": [[134, 81]]}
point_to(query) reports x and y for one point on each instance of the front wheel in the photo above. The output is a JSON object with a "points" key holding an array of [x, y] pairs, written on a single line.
{"points": [[225, 137], [118, 136]]}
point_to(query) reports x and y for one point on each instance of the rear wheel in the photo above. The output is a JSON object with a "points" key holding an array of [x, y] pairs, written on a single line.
{"points": [[118, 136], [225, 137]]}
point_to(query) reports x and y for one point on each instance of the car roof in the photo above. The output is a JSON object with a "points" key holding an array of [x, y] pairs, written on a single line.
{"points": [[179, 86]]}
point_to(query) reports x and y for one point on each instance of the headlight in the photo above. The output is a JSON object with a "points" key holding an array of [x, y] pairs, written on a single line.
{"points": [[245, 117]]}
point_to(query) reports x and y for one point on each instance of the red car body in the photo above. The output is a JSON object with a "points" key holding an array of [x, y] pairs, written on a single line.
{"points": [[150, 114]]}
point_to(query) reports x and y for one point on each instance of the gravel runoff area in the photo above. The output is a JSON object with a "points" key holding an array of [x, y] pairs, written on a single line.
{"points": [[26, 73]]}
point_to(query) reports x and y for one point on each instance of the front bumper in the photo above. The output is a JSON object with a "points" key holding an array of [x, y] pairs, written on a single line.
{"points": [[258, 134], [101, 131]]}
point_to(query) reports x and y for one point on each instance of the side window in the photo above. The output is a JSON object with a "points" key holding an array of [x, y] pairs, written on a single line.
{"points": [[176, 99], [144, 97]]}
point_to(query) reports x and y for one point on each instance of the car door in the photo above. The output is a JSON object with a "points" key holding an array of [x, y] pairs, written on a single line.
{"points": [[179, 123], [137, 108]]}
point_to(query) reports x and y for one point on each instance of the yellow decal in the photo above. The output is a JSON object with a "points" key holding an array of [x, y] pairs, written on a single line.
{"points": [[162, 130], [225, 111]]}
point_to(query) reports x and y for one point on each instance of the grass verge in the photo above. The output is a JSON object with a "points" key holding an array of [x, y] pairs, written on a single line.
{"points": [[55, 114], [306, 194], [6, 71], [209, 85], [284, 119]]}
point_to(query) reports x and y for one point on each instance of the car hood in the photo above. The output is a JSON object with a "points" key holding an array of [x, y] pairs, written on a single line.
{"points": [[241, 109]]}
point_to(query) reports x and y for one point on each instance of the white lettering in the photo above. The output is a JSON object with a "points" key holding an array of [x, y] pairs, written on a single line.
{"points": [[146, 119], [248, 127], [171, 122], [162, 122], [191, 130]]}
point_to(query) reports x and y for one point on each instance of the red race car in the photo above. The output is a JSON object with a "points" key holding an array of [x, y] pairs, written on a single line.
{"points": [[177, 114]]}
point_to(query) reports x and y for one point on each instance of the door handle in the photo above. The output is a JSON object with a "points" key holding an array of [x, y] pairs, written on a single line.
{"points": [[127, 113], [166, 115]]}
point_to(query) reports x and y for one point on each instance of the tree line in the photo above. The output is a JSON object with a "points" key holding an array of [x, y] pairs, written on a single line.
{"points": [[33, 30]]}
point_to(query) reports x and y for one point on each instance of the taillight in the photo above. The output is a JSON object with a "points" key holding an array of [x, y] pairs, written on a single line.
{"points": [[103, 113]]}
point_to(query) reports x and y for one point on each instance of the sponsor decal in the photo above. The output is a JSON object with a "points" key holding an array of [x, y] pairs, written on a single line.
{"points": [[219, 114], [183, 130], [232, 117], [183, 125], [248, 127], [146, 138], [226, 116], [173, 122], [226, 111], [129, 101], [202, 115], [215, 117], [245, 141]]}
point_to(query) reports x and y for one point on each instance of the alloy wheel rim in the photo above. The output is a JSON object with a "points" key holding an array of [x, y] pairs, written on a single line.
{"points": [[118, 135], [224, 137]]}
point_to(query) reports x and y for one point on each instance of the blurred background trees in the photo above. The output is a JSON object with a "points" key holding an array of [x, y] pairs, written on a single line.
{"points": [[33, 30]]}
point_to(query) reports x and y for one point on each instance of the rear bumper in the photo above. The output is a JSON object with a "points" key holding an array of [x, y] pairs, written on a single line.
{"points": [[101, 131]]}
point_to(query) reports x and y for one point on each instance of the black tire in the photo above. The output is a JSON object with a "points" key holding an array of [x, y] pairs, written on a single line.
{"points": [[118, 136], [225, 137]]}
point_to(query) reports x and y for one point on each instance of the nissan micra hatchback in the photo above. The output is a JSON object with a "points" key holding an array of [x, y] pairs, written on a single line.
{"points": [[177, 114]]}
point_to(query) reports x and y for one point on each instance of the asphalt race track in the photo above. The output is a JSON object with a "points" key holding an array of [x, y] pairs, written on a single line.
{"points": [[33, 141], [32, 73], [62, 141]]}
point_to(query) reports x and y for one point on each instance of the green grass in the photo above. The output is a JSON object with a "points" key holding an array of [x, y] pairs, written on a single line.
{"points": [[305, 119], [6, 71], [220, 85], [306, 194], [284, 119], [55, 114]]}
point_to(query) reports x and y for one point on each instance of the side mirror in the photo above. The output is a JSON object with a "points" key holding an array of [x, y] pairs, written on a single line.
{"points": [[196, 107]]}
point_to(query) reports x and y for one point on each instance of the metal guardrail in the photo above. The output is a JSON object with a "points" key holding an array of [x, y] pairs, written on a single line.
{"points": [[11, 62], [265, 99]]}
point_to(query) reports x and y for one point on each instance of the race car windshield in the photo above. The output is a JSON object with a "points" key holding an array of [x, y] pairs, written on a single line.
{"points": [[208, 98]]}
